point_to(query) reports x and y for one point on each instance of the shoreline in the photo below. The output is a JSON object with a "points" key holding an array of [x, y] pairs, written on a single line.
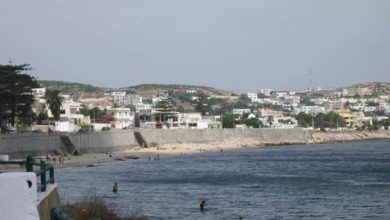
{"points": [[174, 149]]}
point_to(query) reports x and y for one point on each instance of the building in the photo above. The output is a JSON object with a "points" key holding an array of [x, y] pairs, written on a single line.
{"points": [[123, 118], [241, 111], [38, 93], [348, 116]]}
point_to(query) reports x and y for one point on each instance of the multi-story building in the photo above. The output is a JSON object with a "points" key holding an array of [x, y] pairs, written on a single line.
{"points": [[123, 118]]}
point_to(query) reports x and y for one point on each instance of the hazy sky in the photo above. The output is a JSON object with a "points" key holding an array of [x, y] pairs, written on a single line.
{"points": [[233, 44]]}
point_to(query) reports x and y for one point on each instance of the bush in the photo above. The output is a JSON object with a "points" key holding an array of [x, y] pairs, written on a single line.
{"points": [[91, 207]]}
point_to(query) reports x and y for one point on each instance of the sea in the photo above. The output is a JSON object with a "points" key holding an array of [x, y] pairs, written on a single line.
{"points": [[347, 180]]}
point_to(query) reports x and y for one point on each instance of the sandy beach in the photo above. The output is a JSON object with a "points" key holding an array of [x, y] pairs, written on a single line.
{"points": [[151, 153]]}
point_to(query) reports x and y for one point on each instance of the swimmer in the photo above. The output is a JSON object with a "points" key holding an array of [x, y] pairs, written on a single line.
{"points": [[202, 205], [115, 188]]}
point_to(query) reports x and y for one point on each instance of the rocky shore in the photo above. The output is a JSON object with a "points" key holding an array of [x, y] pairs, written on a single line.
{"points": [[317, 137]]}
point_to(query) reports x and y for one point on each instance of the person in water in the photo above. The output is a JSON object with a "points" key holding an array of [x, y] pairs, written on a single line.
{"points": [[202, 205], [115, 188]]}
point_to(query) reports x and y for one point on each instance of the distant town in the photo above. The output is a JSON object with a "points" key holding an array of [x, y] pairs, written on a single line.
{"points": [[85, 108]]}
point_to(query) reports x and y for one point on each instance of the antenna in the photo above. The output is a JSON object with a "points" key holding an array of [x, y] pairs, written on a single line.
{"points": [[10, 60]]}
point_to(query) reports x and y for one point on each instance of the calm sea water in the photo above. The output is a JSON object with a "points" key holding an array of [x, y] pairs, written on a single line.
{"points": [[332, 181]]}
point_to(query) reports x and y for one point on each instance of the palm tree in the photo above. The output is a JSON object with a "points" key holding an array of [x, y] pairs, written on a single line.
{"points": [[54, 101]]}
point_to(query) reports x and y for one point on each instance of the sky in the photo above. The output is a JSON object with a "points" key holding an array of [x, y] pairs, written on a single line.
{"points": [[242, 45]]}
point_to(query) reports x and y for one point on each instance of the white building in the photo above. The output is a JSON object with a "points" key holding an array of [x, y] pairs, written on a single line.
{"points": [[38, 93], [252, 96], [117, 97], [123, 117], [266, 92], [70, 117], [241, 111]]}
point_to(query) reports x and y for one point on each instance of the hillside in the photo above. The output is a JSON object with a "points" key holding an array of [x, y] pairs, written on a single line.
{"points": [[151, 88], [75, 90], [145, 90]]}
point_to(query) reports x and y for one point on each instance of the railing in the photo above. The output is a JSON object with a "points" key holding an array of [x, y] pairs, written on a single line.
{"points": [[44, 168]]}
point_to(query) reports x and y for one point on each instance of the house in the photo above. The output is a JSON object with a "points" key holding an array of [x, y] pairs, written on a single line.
{"points": [[123, 118], [348, 116], [241, 111], [70, 118]]}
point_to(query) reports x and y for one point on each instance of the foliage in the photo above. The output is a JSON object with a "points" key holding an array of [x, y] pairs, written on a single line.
{"points": [[321, 120], [304, 120], [15, 94], [54, 101], [42, 117], [93, 113], [203, 104], [253, 122], [131, 107], [92, 207], [307, 101], [165, 107], [228, 121]]}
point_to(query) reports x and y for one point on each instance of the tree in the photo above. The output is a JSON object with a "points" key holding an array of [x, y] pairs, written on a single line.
{"points": [[253, 122], [42, 117], [54, 100], [304, 120], [203, 104], [165, 108], [270, 119], [228, 121], [15, 94]]}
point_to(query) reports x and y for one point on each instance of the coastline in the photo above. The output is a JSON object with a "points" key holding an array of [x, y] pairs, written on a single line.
{"points": [[178, 148]]}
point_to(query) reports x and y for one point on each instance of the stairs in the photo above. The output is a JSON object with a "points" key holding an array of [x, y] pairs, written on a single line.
{"points": [[69, 147], [140, 140]]}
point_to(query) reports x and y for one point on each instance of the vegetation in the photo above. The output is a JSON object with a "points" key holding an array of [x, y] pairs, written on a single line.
{"points": [[69, 87], [15, 95], [203, 104], [253, 122], [166, 108], [92, 207], [228, 121], [329, 120], [54, 100]]}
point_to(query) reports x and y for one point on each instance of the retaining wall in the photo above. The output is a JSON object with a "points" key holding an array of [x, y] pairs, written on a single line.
{"points": [[21, 145], [161, 136], [101, 142]]}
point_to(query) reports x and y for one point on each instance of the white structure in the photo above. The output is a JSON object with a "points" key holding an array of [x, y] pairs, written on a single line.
{"points": [[18, 199], [38, 93], [70, 118], [117, 97], [252, 96], [189, 120], [266, 92], [312, 110], [123, 117], [241, 111]]}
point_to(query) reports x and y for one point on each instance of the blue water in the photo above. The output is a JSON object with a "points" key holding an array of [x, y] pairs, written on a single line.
{"points": [[331, 181]]}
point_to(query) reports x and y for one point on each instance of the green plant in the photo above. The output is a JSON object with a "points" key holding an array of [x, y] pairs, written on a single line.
{"points": [[92, 207]]}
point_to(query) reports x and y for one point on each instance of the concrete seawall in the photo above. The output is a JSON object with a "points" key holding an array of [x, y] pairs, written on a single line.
{"points": [[271, 136], [21, 145]]}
